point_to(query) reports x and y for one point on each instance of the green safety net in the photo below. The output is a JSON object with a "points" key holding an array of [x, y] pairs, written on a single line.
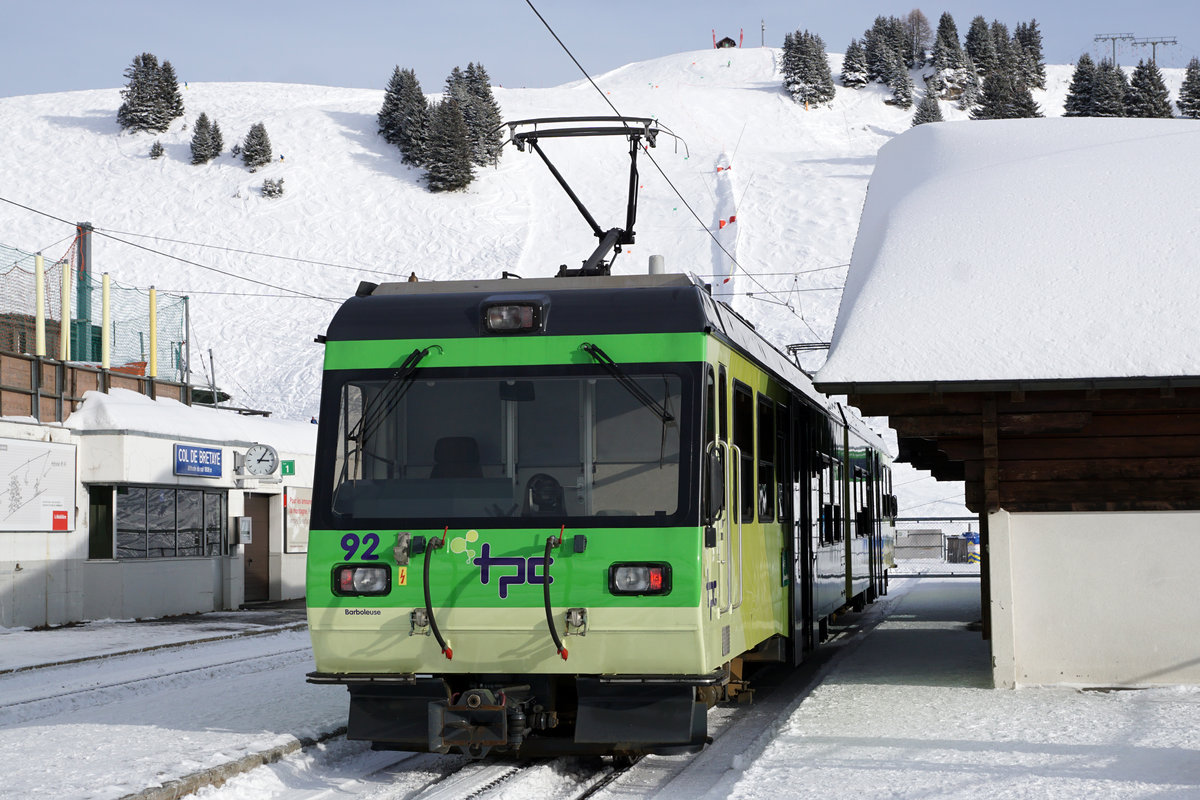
{"points": [[129, 316]]}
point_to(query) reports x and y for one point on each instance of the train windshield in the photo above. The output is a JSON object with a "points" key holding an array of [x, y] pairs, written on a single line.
{"points": [[571, 446]]}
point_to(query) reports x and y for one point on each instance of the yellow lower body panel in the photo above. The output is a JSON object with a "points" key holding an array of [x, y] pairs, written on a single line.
{"points": [[660, 641]]}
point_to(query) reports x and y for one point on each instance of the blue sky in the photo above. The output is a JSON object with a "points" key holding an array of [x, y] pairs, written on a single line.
{"points": [[62, 45]]}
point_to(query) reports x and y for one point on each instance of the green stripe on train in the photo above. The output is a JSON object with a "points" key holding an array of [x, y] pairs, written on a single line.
{"points": [[515, 350], [456, 570]]}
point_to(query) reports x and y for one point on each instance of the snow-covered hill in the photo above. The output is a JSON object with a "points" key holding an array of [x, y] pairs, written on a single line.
{"points": [[795, 180]]}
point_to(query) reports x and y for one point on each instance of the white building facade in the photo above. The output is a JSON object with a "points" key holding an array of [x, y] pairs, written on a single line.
{"points": [[117, 522]]}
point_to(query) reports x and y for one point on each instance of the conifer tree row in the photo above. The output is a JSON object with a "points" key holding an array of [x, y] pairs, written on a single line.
{"points": [[1189, 93], [806, 73], [428, 134], [151, 99]]}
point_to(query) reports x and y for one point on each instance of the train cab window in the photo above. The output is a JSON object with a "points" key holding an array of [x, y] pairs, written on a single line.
{"points": [[743, 439], [766, 459], [450, 446]]}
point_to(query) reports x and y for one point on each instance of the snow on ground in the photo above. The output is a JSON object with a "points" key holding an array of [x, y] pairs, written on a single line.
{"points": [[910, 714], [903, 710]]}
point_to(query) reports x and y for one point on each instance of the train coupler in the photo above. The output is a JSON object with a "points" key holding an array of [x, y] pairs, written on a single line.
{"points": [[475, 722]]}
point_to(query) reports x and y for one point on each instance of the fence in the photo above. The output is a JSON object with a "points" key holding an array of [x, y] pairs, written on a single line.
{"points": [[129, 326], [937, 546]]}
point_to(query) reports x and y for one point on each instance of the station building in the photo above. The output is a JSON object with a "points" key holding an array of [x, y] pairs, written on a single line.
{"points": [[1022, 304], [134, 507]]}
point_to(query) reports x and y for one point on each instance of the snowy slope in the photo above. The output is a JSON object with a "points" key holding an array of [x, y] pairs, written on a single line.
{"points": [[351, 211]]}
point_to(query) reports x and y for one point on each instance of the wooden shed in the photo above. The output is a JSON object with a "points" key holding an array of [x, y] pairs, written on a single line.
{"points": [[1022, 305]]}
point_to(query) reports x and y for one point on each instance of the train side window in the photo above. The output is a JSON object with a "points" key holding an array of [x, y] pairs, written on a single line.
{"points": [[766, 459], [723, 405], [743, 438], [784, 471]]}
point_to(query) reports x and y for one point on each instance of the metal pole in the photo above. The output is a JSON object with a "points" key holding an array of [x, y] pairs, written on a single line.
{"points": [[83, 287], [212, 372]]}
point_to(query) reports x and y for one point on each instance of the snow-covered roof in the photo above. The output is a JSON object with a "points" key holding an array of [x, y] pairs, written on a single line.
{"points": [[1025, 250], [125, 410]]}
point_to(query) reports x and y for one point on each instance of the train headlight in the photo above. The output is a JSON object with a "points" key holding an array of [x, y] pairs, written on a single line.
{"points": [[512, 317], [639, 578], [350, 580]]}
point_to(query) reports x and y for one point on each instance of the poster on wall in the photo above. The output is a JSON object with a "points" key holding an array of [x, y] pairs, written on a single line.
{"points": [[39, 486], [297, 502]]}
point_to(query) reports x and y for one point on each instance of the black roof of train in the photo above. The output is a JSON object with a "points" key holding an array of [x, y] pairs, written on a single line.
{"points": [[572, 306], [612, 304]]}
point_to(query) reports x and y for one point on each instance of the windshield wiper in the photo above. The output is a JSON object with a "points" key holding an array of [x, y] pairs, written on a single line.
{"points": [[631, 386], [392, 393]]}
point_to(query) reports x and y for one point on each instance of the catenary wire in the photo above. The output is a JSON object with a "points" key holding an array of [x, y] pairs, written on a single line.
{"points": [[664, 175], [189, 262]]}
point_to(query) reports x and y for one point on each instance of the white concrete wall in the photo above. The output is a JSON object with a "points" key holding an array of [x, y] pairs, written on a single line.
{"points": [[46, 578], [1095, 599], [40, 581]]}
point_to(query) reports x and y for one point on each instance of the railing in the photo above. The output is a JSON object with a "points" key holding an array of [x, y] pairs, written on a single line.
{"points": [[937, 546]]}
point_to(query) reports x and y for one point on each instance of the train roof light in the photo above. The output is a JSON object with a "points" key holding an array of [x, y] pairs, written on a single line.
{"points": [[512, 318]]}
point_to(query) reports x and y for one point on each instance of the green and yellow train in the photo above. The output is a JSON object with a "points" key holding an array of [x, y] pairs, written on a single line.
{"points": [[559, 515]]}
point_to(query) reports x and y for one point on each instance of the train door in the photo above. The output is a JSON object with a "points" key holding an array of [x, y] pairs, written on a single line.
{"points": [[725, 523], [798, 447]]}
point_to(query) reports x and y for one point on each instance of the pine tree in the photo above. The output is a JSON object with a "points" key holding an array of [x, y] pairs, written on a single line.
{"points": [[1189, 93], [216, 140], [1031, 41], [880, 50], [807, 78], [170, 101], [854, 66], [488, 139], [949, 62], [928, 110], [448, 155], [138, 112], [1147, 95], [1005, 97], [1079, 95], [156, 149], [971, 88], [1108, 90], [981, 47], [415, 119], [388, 118], [900, 82], [256, 149], [202, 140], [151, 99]]}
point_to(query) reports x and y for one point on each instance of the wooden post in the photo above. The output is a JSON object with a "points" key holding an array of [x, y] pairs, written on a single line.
{"points": [[39, 315], [105, 324], [152, 372]]}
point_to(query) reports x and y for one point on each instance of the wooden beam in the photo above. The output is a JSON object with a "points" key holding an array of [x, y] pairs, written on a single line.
{"points": [[934, 427], [1015, 449], [991, 455], [1089, 469]]}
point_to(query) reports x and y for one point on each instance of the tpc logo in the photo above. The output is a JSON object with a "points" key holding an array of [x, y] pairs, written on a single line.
{"points": [[527, 570]]}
